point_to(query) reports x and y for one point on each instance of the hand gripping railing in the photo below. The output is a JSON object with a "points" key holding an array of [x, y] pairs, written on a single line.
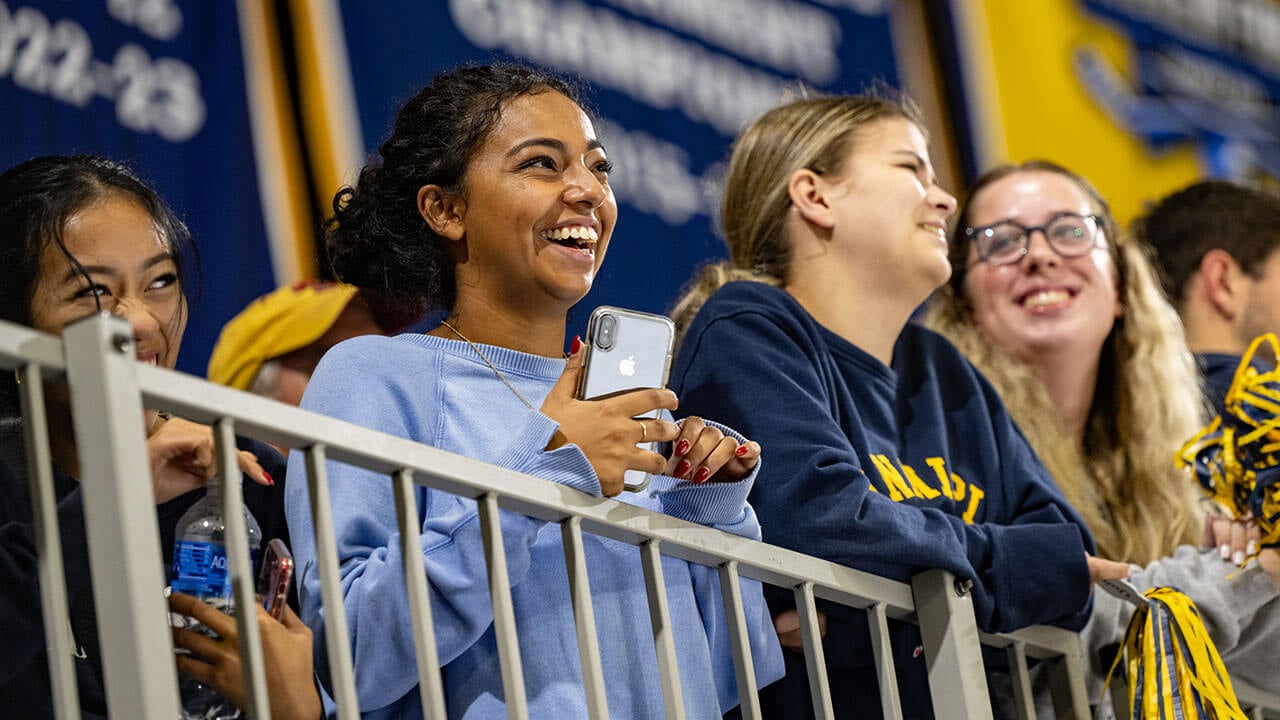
{"points": [[108, 389]]}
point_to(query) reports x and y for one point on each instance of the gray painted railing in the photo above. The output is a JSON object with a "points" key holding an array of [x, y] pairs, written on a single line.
{"points": [[108, 389]]}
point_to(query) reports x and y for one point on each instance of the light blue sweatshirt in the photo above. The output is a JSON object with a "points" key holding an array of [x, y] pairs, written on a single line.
{"points": [[439, 392]]}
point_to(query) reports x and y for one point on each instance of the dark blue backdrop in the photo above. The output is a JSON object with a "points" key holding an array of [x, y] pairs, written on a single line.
{"points": [[160, 86], [673, 80]]}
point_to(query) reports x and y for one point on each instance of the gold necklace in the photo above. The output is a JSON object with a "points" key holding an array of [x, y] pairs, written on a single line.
{"points": [[492, 367]]}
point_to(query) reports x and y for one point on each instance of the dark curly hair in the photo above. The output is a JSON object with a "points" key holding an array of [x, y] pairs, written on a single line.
{"points": [[37, 198], [376, 239]]}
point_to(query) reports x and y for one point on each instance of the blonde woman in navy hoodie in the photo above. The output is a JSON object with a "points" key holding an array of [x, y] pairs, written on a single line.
{"points": [[888, 451]]}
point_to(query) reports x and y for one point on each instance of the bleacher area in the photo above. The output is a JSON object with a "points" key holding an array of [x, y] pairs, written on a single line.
{"points": [[108, 388]]}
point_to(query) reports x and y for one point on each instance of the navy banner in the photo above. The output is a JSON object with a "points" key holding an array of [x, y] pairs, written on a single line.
{"points": [[673, 80], [161, 86]]}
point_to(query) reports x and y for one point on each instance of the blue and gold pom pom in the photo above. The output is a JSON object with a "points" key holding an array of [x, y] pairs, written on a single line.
{"points": [[1236, 457]]}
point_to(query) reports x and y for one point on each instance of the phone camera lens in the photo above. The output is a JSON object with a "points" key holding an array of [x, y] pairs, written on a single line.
{"points": [[605, 331]]}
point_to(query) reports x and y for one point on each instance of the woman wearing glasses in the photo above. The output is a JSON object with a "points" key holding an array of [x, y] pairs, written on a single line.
{"points": [[1063, 314], [888, 452]]}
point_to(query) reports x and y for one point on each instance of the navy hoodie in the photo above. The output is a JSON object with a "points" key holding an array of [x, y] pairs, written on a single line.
{"points": [[891, 470], [1218, 370]]}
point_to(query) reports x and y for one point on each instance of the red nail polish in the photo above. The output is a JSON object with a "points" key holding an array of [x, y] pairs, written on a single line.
{"points": [[682, 468], [682, 447], [576, 345], [703, 474], [270, 481], [742, 451]]}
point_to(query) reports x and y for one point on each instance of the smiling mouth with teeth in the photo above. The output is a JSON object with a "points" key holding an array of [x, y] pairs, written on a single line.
{"points": [[1045, 297], [577, 236]]}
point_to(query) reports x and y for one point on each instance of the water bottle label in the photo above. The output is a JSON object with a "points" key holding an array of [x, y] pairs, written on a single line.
{"points": [[200, 569]]}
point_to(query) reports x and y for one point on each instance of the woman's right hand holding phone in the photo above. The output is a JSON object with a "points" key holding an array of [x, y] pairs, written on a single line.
{"points": [[606, 429], [215, 661]]}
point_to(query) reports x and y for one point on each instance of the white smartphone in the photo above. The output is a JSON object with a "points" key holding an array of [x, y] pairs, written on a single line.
{"points": [[626, 350]]}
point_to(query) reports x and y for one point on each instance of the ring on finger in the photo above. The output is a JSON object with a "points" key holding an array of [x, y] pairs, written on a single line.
{"points": [[644, 430]]}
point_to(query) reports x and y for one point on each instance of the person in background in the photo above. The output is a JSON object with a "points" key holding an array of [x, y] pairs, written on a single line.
{"points": [[272, 346], [78, 235], [1063, 313], [491, 201], [888, 452], [1217, 245]]}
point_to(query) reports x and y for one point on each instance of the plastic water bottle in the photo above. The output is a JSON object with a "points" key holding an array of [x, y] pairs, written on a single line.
{"points": [[200, 568]]}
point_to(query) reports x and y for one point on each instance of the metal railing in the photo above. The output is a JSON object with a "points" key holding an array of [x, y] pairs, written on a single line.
{"points": [[108, 388]]}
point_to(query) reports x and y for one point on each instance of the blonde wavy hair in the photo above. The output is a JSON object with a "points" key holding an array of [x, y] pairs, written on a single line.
{"points": [[1121, 477], [816, 133]]}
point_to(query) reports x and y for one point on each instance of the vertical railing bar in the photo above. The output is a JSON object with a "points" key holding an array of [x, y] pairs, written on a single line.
{"points": [[337, 641], [44, 511], [430, 686], [504, 614], [1073, 667], [240, 565], [1067, 683], [120, 519], [739, 640], [660, 621], [575, 560], [952, 649], [1119, 700], [815, 659], [882, 651], [1023, 697]]}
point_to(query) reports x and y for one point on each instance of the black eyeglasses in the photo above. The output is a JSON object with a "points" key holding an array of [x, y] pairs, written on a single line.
{"points": [[1006, 242]]}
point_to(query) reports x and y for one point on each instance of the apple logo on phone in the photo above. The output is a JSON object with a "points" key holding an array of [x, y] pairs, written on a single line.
{"points": [[627, 366]]}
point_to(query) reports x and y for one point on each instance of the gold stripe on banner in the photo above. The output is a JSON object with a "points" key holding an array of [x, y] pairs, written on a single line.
{"points": [[281, 179], [917, 60], [1026, 100], [977, 74], [329, 113]]}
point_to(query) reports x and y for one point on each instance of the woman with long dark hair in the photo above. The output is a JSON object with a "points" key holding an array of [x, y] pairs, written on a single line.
{"points": [[78, 235]]}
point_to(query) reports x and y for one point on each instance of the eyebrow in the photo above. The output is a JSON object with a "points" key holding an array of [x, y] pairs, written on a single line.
{"points": [[73, 273], [554, 144]]}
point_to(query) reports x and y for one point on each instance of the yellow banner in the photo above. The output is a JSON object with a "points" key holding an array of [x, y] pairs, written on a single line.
{"points": [[1029, 88]]}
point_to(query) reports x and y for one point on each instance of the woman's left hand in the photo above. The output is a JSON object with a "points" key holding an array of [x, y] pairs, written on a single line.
{"points": [[1236, 540], [286, 655], [183, 459], [787, 625], [702, 452]]}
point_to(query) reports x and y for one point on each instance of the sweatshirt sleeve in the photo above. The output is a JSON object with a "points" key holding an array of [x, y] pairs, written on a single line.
{"points": [[369, 555], [1032, 500], [1240, 609], [20, 606], [813, 494]]}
